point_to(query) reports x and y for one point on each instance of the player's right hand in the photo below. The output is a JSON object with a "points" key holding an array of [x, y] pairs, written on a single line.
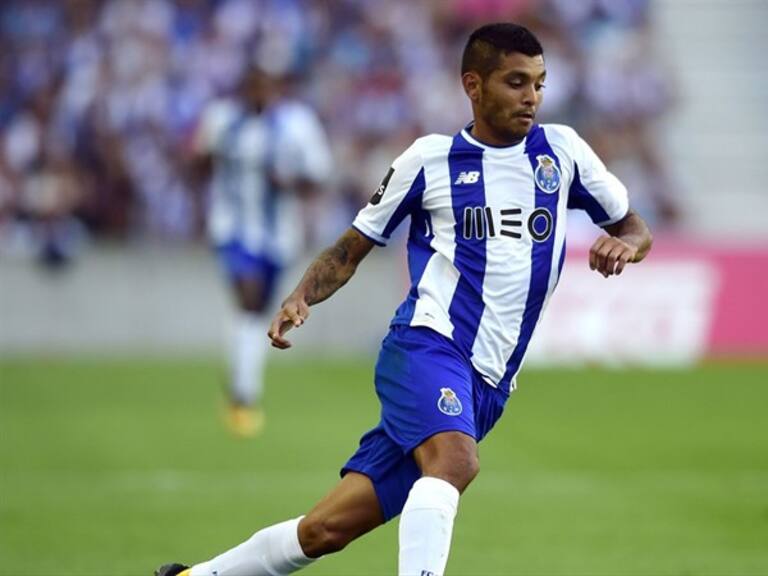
{"points": [[292, 314]]}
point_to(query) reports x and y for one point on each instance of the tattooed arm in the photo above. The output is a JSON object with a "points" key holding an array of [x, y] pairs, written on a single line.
{"points": [[329, 272]]}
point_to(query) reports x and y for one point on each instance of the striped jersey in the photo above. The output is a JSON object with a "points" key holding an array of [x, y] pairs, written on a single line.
{"points": [[487, 236], [250, 153]]}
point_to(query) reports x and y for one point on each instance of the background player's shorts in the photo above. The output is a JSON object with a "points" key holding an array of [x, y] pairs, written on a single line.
{"points": [[426, 385], [237, 262]]}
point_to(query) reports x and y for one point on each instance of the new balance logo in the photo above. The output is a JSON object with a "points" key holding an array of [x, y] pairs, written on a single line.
{"points": [[468, 177]]}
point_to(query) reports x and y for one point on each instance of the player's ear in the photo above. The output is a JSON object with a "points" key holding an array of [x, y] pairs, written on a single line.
{"points": [[473, 85]]}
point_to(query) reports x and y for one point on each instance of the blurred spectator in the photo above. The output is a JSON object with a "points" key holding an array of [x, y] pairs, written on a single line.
{"points": [[115, 89]]}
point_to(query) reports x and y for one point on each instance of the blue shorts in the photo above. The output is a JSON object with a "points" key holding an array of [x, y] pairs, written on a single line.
{"points": [[426, 385], [237, 263]]}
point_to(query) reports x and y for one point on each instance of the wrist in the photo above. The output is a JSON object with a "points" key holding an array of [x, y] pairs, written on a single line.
{"points": [[638, 244], [630, 240], [296, 296], [299, 294]]}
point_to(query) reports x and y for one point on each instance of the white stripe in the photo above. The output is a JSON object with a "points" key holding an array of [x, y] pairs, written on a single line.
{"points": [[508, 184], [440, 278]]}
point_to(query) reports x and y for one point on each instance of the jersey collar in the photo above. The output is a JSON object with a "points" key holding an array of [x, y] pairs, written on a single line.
{"points": [[515, 148]]}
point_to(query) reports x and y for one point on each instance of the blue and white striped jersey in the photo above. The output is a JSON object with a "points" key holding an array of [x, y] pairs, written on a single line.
{"points": [[286, 141], [487, 236]]}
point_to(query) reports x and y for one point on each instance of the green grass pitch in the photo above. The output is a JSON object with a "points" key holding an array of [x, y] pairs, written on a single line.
{"points": [[111, 467]]}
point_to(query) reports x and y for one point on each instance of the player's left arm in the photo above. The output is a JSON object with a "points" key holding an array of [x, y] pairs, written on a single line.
{"points": [[628, 241]]}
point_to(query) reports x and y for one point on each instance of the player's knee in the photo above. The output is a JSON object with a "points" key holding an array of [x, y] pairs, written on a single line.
{"points": [[472, 469], [458, 473], [251, 296], [321, 536], [253, 305], [459, 465], [465, 471]]}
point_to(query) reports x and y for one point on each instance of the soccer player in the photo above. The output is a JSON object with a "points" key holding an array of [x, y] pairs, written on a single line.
{"points": [[267, 153], [486, 247]]}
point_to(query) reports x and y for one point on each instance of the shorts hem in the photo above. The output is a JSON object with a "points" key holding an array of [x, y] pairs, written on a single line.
{"points": [[347, 469], [385, 512]]}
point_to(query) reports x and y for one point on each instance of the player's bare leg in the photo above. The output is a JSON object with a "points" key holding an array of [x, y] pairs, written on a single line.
{"points": [[348, 511], [450, 456], [246, 386], [448, 462]]}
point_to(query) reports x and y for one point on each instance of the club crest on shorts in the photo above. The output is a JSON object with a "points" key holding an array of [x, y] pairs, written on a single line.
{"points": [[547, 174], [449, 403]]}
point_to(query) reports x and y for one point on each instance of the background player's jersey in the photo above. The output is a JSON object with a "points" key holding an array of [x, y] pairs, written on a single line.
{"points": [[249, 150], [487, 237]]}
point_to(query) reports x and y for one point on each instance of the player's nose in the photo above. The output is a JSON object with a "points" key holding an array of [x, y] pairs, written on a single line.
{"points": [[529, 95]]}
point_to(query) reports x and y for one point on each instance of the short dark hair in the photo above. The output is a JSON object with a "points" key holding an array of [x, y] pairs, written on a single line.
{"points": [[488, 42]]}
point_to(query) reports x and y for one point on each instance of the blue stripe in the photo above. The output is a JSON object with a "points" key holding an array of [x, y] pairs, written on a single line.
{"points": [[409, 204], [271, 191], [561, 263], [541, 259], [419, 253], [467, 306], [580, 198]]}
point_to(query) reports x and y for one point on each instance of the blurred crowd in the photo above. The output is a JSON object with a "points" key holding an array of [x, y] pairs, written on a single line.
{"points": [[99, 100]]}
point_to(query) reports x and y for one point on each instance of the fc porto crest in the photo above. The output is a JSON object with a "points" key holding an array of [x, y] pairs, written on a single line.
{"points": [[547, 174], [449, 403]]}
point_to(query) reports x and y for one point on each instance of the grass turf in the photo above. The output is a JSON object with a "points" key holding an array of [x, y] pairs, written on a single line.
{"points": [[111, 467]]}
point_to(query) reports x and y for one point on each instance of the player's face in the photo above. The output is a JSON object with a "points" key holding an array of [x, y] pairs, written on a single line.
{"points": [[257, 89], [509, 97]]}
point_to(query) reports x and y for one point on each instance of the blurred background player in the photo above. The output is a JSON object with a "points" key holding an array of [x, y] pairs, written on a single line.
{"points": [[265, 154]]}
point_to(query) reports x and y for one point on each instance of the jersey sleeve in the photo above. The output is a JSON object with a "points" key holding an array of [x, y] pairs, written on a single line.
{"points": [[305, 152], [594, 189], [398, 195], [210, 127]]}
